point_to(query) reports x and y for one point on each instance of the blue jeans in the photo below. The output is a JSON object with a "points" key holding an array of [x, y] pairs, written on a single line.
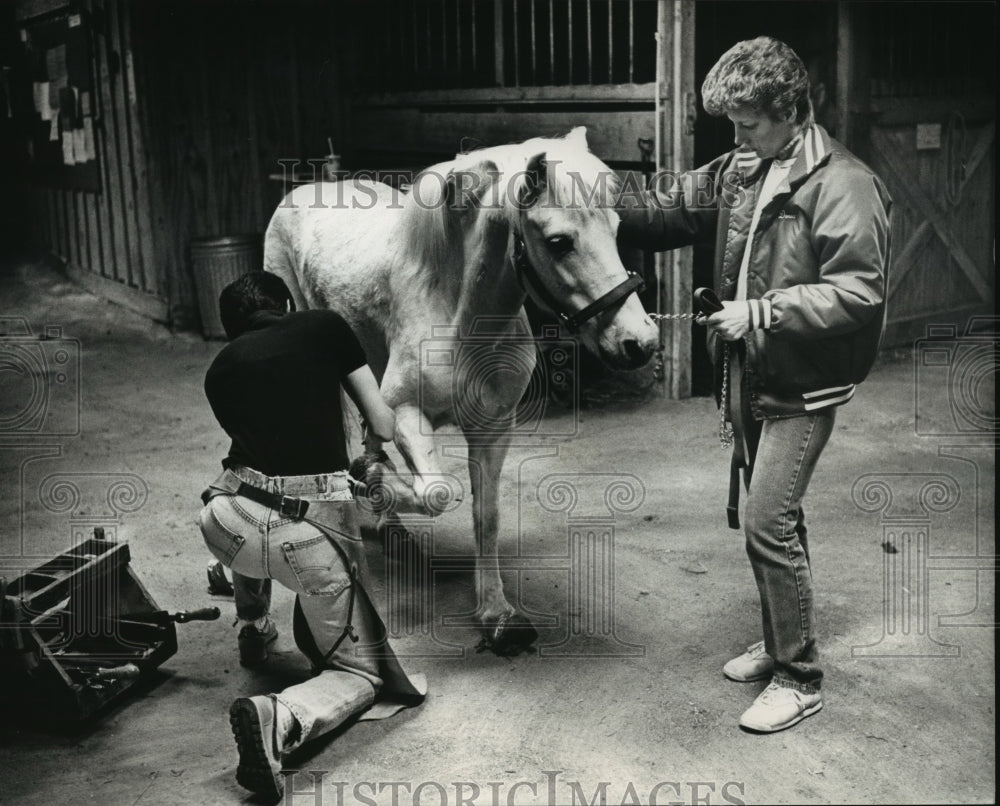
{"points": [[252, 597], [777, 545], [258, 544]]}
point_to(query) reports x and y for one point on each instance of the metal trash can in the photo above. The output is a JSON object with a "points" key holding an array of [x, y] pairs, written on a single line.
{"points": [[216, 262]]}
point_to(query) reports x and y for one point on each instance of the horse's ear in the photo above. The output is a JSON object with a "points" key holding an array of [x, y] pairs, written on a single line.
{"points": [[536, 178], [578, 136], [465, 187]]}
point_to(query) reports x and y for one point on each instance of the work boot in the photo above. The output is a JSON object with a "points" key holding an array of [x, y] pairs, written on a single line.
{"points": [[218, 585], [754, 664], [261, 734], [778, 707], [253, 642]]}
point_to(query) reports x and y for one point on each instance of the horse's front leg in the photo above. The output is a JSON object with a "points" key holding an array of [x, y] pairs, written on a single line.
{"points": [[434, 492], [506, 632]]}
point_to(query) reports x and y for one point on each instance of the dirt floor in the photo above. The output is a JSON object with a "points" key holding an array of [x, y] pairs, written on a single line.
{"points": [[625, 701]]}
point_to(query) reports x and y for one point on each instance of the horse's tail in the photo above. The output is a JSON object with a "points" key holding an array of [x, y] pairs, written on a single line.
{"points": [[280, 252]]}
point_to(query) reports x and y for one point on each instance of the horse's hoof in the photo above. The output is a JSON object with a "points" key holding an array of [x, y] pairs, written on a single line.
{"points": [[509, 636]]}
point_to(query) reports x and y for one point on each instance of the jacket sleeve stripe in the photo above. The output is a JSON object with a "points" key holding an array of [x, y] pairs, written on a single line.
{"points": [[834, 401], [830, 391], [760, 313]]}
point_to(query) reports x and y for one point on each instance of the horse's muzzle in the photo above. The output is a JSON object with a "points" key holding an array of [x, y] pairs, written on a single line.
{"points": [[628, 353], [636, 355]]}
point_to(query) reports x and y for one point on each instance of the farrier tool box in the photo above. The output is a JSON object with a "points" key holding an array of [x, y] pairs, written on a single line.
{"points": [[80, 630]]}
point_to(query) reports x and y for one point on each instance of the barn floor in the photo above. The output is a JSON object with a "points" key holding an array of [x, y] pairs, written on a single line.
{"points": [[625, 699]]}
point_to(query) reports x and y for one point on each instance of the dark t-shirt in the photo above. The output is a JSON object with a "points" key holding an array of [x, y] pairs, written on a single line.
{"points": [[275, 390]]}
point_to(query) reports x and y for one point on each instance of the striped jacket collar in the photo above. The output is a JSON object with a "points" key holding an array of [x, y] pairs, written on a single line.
{"points": [[811, 152]]}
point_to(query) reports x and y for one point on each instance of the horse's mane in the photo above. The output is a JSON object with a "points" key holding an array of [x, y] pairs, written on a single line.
{"points": [[432, 229], [576, 176]]}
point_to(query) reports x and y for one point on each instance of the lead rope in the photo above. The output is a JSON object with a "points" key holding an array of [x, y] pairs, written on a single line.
{"points": [[725, 426]]}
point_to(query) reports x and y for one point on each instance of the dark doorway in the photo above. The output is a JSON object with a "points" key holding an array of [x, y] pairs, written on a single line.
{"points": [[811, 30]]}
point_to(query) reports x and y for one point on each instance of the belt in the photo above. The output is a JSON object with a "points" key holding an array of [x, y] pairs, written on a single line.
{"points": [[305, 486], [295, 508]]}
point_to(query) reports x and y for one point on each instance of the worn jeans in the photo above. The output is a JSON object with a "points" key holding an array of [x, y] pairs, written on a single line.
{"points": [[252, 597], [259, 544], [777, 544]]}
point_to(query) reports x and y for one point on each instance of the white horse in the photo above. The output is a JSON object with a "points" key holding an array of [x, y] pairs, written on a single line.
{"points": [[458, 250]]}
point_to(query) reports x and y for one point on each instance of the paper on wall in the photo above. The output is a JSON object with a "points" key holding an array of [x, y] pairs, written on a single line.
{"points": [[89, 151], [67, 148], [54, 129], [41, 95], [79, 146]]}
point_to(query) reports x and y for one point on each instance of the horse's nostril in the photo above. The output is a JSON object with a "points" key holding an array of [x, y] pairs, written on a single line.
{"points": [[637, 356]]}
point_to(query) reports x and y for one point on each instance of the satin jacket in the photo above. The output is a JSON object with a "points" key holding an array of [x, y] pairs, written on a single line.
{"points": [[816, 280]]}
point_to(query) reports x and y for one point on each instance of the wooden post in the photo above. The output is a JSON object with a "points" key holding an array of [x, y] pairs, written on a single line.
{"points": [[853, 77], [675, 153], [497, 42]]}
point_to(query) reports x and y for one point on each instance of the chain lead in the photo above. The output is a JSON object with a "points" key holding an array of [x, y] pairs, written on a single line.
{"points": [[672, 317], [725, 427]]}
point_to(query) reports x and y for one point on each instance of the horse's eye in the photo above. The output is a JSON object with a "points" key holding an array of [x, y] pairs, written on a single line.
{"points": [[559, 245]]}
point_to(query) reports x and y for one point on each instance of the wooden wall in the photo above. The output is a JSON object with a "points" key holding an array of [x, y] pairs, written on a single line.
{"points": [[196, 104], [106, 237], [228, 90], [921, 109]]}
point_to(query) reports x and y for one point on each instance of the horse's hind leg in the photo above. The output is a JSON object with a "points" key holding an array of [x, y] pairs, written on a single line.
{"points": [[279, 256], [506, 631]]}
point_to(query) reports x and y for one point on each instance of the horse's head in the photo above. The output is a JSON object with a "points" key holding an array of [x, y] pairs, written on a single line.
{"points": [[570, 261]]}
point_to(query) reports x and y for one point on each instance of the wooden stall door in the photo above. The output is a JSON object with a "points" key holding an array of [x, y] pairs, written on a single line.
{"points": [[918, 104], [430, 78], [941, 177]]}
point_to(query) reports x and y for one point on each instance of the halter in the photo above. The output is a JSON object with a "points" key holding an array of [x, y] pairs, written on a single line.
{"points": [[523, 268]]}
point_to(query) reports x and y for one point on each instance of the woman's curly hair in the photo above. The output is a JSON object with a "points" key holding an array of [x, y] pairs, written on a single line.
{"points": [[762, 74]]}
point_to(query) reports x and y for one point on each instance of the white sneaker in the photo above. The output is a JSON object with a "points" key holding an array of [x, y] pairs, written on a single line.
{"points": [[778, 707], [754, 664]]}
